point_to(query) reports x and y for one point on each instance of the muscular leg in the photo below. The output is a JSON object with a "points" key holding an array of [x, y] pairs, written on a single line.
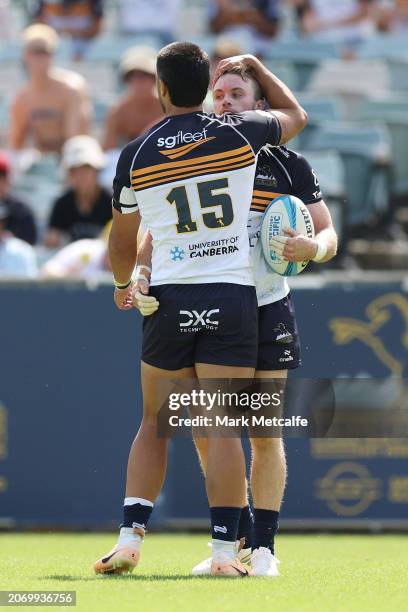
{"points": [[148, 454], [268, 476], [268, 467], [225, 474], [201, 445]]}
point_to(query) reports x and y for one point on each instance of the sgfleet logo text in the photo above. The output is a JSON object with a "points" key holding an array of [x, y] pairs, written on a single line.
{"points": [[181, 138]]}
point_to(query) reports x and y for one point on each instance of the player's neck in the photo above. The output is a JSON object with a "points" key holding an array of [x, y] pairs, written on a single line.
{"points": [[171, 111]]}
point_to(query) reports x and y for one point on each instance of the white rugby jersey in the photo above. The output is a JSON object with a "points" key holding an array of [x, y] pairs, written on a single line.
{"points": [[191, 176], [279, 171]]}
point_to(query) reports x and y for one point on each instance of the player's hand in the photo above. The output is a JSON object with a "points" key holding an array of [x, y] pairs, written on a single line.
{"points": [[145, 303], [123, 298], [247, 60], [294, 246]]}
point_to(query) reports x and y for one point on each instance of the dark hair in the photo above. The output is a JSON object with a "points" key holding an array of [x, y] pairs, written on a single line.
{"points": [[247, 74], [185, 69]]}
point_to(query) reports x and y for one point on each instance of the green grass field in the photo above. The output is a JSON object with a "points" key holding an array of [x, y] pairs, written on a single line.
{"points": [[327, 573]]}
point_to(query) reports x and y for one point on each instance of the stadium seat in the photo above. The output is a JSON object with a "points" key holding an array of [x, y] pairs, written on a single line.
{"points": [[302, 48], [392, 111], [111, 48], [319, 109], [366, 154], [385, 46], [352, 80], [4, 121], [398, 69], [101, 77], [304, 55], [286, 72], [101, 108], [10, 51], [11, 78]]}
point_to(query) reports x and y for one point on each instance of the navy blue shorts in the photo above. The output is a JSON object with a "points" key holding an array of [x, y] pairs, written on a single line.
{"points": [[279, 346], [215, 323]]}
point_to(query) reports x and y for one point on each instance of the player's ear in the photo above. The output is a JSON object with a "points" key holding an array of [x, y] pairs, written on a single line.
{"points": [[260, 104], [162, 88]]}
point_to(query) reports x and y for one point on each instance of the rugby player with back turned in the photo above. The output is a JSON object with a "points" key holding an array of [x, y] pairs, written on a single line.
{"points": [[190, 179]]}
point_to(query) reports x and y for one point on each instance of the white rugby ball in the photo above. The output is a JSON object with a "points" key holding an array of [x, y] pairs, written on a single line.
{"points": [[285, 211]]}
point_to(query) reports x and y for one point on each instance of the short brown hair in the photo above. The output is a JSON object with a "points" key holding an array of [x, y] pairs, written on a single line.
{"points": [[247, 74]]}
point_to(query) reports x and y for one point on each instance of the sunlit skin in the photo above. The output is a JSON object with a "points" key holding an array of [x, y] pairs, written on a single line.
{"points": [[231, 94]]}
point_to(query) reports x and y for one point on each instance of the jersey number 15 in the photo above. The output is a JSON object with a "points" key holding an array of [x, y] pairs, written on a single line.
{"points": [[178, 196]]}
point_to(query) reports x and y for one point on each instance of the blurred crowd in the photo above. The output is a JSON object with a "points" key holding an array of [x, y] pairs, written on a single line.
{"points": [[77, 82]]}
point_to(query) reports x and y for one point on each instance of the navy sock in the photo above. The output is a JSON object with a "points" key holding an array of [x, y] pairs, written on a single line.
{"points": [[224, 523], [265, 528], [136, 515], [245, 526]]}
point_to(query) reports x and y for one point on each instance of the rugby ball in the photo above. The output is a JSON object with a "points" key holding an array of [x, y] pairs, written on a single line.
{"points": [[285, 211]]}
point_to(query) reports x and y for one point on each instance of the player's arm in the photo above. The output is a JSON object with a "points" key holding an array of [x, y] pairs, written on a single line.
{"points": [[122, 254], [18, 124], [123, 235], [145, 303], [293, 246], [290, 114]]}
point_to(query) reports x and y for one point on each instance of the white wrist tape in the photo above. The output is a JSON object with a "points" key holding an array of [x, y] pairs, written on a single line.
{"points": [[140, 276], [321, 250], [141, 267]]}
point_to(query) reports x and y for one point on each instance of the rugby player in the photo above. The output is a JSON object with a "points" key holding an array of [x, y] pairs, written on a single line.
{"points": [[190, 178], [239, 85]]}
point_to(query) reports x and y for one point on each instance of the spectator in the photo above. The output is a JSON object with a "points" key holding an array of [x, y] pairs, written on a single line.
{"points": [[20, 219], [347, 22], [255, 20], [85, 208], [80, 19], [224, 48], [17, 258], [157, 17], [86, 259], [139, 107], [8, 26], [54, 104], [392, 17]]}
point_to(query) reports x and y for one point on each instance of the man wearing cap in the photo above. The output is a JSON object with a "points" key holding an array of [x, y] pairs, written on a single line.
{"points": [[139, 108], [84, 209], [54, 104], [20, 219], [17, 258]]}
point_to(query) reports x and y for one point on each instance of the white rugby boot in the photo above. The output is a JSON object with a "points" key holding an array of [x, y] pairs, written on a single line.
{"points": [[264, 563]]}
